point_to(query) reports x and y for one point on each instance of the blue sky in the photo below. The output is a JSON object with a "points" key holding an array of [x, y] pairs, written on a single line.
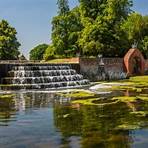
{"points": [[32, 19]]}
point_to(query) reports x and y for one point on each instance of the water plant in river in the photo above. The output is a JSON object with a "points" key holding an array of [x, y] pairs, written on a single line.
{"points": [[94, 101], [130, 99], [139, 79], [7, 107], [77, 94], [6, 97]]}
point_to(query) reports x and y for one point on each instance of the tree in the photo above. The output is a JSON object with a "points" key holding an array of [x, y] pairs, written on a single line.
{"points": [[63, 7], [145, 27], [91, 9], [38, 52], [8, 42], [133, 27], [65, 30], [102, 20], [136, 30], [145, 46], [60, 27], [49, 53]]}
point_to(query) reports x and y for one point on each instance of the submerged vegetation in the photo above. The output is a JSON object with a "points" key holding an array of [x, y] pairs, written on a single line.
{"points": [[129, 95], [6, 97], [95, 119], [77, 94]]}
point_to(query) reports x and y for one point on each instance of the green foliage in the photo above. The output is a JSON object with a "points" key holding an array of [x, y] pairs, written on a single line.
{"points": [[107, 27], [133, 27], [38, 52], [49, 53], [92, 8], [102, 33], [65, 32], [8, 42], [145, 46], [136, 29], [63, 7], [77, 94]]}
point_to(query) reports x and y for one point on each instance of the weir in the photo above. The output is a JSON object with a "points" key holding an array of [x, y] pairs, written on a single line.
{"points": [[40, 76]]}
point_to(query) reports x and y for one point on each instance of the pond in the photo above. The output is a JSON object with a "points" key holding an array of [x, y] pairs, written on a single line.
{"points": [[106, 115]]}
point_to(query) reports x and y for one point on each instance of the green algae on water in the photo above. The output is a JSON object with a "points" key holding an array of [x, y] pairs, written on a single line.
{"points": [[139, 79], [6, 97], [140, 113], [125, 99], [77, 94], [130, 99], [86, 101], [94, 101], [128, 127]]}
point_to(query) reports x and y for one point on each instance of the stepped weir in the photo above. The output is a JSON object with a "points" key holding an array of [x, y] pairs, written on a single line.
{"points": [[43, 76]]}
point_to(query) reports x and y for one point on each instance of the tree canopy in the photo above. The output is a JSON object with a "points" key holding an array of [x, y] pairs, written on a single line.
{"points": [[102, 20], [63, 7], [9, 46], [37, 52], [107, 27]]}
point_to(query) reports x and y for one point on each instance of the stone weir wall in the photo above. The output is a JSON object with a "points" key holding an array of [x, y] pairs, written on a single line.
{"points": [[6, 67], [90, 68], [113, 68]]}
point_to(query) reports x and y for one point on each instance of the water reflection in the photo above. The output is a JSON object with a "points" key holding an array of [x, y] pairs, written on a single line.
{"points": [[22, 103], [7, 111], [36, 119], [96, 126], [32, 100]]}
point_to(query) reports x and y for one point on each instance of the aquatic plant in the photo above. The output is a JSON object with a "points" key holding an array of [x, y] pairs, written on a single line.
{"points": [[77, 94]]}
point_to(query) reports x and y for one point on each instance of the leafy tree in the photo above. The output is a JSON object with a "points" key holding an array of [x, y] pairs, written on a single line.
{"points": [[107, 27], [65, 30], [102, 19], [60, 27], [136, 30], [91, 9], [133, 27], [63, 7], [145, 27], [145, 46], [8, 42], [38, 52], [145, 38], [49, 53]]}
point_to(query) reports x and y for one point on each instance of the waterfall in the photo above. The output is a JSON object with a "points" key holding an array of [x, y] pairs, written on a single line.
{"points": [[44, 77]]}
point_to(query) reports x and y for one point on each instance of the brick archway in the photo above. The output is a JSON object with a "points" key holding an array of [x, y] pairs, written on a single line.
{"points": [[134, 62]]}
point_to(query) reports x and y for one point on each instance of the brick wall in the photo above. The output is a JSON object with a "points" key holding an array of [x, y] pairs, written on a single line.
{"points": [[113, 67], [146, 65]]}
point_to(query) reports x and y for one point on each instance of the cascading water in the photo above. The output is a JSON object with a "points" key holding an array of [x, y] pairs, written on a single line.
{"points": [[44, 77]]}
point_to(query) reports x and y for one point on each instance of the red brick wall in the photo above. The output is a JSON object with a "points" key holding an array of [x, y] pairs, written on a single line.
{"points": [[128, 61], [146, 65]]}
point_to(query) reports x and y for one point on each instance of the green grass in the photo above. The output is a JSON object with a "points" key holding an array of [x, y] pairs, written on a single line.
{"points": [[139, 79], [66, 60]]}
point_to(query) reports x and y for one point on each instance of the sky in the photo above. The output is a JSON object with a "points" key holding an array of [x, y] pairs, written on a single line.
{"points": [[32, 19]]}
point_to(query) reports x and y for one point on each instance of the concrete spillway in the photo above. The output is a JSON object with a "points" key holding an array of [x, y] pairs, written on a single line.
{"points": [[42, 77]]}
